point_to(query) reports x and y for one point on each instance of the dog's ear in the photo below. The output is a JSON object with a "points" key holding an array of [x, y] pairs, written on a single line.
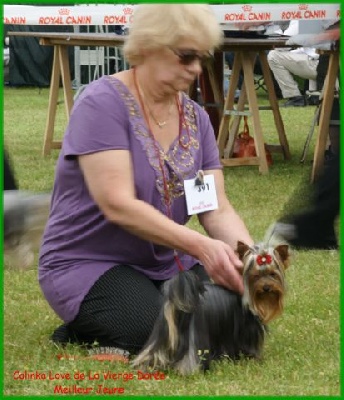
{"points": [[242, 249], [283, 251]]}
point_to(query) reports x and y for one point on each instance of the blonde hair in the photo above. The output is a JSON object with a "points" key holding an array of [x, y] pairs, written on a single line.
{"points": [[156, 26]]}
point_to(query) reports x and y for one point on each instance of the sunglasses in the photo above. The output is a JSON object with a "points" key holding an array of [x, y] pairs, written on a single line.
{"points": [[187, 57]]}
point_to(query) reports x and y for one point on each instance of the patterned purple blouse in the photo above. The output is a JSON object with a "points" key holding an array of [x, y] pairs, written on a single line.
{"points": [[79, 244]]}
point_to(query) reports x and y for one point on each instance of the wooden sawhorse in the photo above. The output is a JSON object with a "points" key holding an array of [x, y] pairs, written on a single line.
{"points": [[244, 59], [61, 70]]}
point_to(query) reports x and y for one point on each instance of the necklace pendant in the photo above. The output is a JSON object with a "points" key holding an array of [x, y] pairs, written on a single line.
{"points": [[161, 124]]}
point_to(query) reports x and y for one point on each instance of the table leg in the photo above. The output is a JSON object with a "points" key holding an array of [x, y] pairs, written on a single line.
{"points": [[247, 64], [53, 98], [235, 123], [229, 103], [215, 84], [274, 105], [66, 79], [211, 83], [325, 114], [60, 70]]}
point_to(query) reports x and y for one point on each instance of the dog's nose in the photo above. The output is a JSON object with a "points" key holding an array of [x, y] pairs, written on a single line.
{"points": [[266, 288]]}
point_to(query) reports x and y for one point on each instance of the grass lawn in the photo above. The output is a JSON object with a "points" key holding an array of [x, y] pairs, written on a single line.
{"points": [[302, 352]]}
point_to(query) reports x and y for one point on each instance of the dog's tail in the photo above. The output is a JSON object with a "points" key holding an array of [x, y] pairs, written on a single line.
{"points": [[183, 291], [182, 295], [169, 339]]}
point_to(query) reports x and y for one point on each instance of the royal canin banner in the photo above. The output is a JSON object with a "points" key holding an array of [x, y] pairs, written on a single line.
{"points": [[104, 14]]}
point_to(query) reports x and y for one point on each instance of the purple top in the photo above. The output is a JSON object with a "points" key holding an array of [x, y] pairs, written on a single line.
{"points": [[79, 244]]}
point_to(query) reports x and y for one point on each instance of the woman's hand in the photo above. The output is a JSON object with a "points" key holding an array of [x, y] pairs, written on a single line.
{"points": [[222, 265], [226, 228]]}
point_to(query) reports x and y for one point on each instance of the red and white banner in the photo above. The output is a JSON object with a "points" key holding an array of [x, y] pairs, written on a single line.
{"points": [[104, 14], [275, 12]]}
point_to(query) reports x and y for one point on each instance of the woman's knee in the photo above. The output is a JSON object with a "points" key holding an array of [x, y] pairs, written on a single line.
{"points": [[120, 309]]}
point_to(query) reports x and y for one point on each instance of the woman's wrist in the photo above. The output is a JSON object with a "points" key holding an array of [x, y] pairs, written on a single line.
{"points": [[198, 245]]}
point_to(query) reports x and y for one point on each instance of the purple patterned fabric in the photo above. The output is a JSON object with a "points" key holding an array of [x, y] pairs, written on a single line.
{"points": [[79, 244]]}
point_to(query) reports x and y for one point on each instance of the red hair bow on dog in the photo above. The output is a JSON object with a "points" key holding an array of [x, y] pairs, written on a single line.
{"points": [[264, 259]]}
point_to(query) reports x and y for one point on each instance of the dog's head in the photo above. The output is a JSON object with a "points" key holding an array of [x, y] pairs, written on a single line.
{"points": [[264, 281]]}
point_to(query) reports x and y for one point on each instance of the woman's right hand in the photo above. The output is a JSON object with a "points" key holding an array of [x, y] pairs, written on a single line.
{"points": [[222, 265]]}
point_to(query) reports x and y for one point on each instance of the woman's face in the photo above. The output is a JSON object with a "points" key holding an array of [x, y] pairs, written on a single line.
{"points": [[175, 68]]}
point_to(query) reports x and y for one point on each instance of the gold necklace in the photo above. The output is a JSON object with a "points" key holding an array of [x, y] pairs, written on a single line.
{"points": [[182, 121], [160, 124]]}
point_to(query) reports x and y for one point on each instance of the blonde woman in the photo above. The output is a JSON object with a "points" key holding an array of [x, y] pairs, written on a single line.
{"points": [[117, 228]]}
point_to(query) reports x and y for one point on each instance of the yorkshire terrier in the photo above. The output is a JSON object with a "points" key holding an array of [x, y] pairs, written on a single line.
{"points": [[201, 321]]}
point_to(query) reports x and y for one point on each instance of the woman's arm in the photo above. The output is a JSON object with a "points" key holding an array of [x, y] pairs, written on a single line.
{"points": [[109, 177], [224, 223]]}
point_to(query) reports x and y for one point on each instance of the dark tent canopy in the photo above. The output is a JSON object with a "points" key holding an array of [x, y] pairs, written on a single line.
{"points": [[30, 63]]}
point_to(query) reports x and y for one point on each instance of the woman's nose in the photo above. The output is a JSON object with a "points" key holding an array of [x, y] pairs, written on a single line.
{"points": [[195, 67]]}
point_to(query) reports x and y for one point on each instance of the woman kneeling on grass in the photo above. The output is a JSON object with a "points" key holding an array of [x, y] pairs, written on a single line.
{"points": [[117, 230]]}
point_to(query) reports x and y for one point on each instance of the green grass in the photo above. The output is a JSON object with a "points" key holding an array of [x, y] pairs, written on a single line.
{"points": [[301, 356]]}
